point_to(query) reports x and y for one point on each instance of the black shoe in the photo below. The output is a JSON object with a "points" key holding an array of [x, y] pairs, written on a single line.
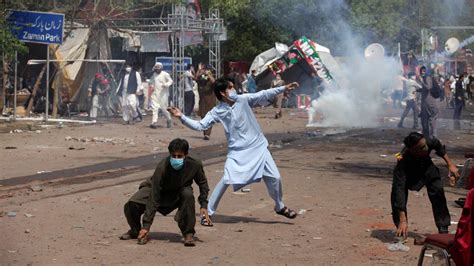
{"points": [[153, 126], [460, 202], [129, 235], [443, 230]]}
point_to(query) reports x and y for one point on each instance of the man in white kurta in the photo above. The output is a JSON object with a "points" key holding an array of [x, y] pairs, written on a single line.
{"points": [[248, 159], [159, 98]]}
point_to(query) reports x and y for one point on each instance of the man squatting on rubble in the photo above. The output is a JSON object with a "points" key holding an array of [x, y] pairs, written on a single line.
{"points": [[414, 170], [169, 188], [248, 159]]}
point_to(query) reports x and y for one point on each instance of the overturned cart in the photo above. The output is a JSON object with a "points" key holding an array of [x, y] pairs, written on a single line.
{"points": [[305, 62]]}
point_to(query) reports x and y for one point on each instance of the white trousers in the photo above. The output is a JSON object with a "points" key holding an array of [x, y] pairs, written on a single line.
{"points": [[159, 103], [95, 106], [273, 187], [129, 106]]}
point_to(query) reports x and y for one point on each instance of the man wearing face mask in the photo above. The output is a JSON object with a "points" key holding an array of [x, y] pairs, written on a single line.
{"points": [[248, 158], [127, 90], [161, 81], [414, 170], [169, 188]]}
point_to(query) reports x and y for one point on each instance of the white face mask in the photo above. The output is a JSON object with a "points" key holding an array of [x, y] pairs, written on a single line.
{"points": [[128, 69]]}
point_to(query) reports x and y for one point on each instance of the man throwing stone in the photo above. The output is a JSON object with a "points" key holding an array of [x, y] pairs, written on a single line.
{"points": [[248, 159]]}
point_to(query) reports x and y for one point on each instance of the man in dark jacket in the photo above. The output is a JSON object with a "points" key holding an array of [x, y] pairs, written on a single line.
{"points": [[127, 91], [458, 97], [169, 188], [414, 170]]}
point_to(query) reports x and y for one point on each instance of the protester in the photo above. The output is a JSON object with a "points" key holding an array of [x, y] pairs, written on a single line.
{"points": [[447, 90], [277, 102], [470, 87], [161, 81], [127, 90], [410, 100], [414, 170], [429, 104], [237, 78], [459, 97], [207, 100], [248, 158], [188, 90], [251, 82], [397, 94], [169, 188]]}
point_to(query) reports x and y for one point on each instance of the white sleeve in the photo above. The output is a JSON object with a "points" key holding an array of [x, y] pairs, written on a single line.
{"points": [[139, 79], [201, 125], [263, 97]]}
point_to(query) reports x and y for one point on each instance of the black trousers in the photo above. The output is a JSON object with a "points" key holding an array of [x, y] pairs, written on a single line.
{"points": [[188, 102], [458, 105], [185, 216], [434, 186]]}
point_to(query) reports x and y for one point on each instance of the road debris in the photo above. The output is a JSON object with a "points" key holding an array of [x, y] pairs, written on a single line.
{"points": [[398, 246], [36, 188]]}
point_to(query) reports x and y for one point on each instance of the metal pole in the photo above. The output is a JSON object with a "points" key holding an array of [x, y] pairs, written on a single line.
{"points": [[47, 84], [4, 87], [15, 89]]}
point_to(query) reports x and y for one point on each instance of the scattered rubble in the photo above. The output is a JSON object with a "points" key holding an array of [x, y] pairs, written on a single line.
{"points": [[112, 141], [36, 188]]}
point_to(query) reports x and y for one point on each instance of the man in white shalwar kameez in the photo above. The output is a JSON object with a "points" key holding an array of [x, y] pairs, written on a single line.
{"points": [[248, 159], [127, 91], [159, 98]]}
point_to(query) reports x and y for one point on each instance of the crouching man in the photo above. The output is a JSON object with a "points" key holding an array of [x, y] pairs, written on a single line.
{"points": [[414, 170], [169, 188]]}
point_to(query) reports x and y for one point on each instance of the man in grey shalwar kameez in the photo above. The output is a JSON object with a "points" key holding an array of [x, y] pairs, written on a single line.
{"points": [[429, 105], [248, 159]]}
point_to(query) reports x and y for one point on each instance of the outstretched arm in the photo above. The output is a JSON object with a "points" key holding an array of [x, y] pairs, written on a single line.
{"points": [[441, 152], [266, 97], [201, 125], [453, 170]]}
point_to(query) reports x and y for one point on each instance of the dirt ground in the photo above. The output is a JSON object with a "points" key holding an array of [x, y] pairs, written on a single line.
{"points": [[337, 179]]}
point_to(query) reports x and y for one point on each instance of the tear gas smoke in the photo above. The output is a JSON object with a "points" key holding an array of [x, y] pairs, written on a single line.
{"points": [[357, 104]]}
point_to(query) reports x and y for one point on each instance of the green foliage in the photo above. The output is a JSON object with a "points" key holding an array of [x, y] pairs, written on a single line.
{"points": [[9, 43]]}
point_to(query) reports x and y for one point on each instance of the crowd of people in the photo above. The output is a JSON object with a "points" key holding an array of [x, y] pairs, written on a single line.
{"points": [[423, 93]]}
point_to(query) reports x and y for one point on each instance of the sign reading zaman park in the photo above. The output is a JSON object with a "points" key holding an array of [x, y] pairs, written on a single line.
{"points": [[38, 27]]}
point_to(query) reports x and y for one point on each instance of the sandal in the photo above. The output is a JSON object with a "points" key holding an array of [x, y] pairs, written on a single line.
{"points": [[189, 241], [288, 213], [204, 222]]}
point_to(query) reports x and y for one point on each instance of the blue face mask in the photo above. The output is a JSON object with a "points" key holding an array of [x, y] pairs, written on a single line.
{"points": [[233, 95], [177, 164]]}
